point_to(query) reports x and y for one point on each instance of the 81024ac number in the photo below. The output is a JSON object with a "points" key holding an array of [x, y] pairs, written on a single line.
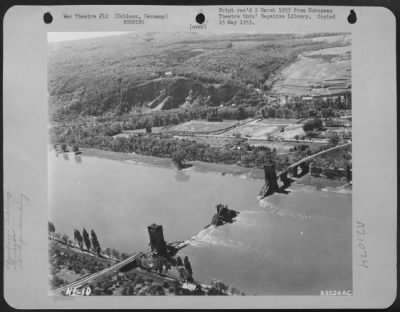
{"points": [[335, 292]]}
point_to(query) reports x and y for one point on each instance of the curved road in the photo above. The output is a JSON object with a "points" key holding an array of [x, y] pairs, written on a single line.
{"points": [[315, 155]]}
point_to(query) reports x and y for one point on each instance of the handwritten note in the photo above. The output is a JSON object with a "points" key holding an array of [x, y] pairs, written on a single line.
{"points": [[13, 230], [361, 234]]}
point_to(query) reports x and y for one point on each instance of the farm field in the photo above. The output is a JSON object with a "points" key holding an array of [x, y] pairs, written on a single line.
{"points": [[262, 129], [324, 71], [278, 121], [254, 129], [202, 126], [291, 132]]}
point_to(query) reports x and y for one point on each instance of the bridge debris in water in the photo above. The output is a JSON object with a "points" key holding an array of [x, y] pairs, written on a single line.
{"points": [[223, 215]]}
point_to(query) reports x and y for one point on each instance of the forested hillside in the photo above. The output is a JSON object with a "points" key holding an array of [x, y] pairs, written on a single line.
{"points": [[159, 71]]}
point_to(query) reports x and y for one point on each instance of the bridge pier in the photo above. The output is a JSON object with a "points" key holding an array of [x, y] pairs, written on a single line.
{"points": [[305, 168], [157, 242], [284, 178], [296, 171], [271, 182]]}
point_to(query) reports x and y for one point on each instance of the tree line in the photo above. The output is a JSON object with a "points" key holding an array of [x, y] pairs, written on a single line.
{"points": [[83, 240], [166, 146], [91, 242]]}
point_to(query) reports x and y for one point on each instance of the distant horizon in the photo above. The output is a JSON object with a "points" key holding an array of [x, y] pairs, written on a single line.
{"points": [[53, 37]]}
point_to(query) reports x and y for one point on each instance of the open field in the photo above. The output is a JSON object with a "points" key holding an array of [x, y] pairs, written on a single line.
{"points": [[202, 126], [255, 129], [285, 129], [278, 121], [291, 132]]}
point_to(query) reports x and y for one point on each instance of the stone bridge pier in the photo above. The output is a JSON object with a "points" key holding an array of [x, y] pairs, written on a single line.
{"points": [[271, 182], [284, 178], [295, 171], [157, 242], [305, 167]]}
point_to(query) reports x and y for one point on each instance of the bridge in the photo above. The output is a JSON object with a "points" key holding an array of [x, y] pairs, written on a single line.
{"points": [[87, 279], [157, 244], [271, 176]]}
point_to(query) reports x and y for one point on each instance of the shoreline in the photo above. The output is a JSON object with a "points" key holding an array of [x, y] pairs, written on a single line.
{"points": [[206, 167], [198, 166]]}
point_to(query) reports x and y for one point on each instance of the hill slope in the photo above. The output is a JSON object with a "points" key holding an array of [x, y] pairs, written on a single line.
{"points": [[119, 74], [318, 73]]}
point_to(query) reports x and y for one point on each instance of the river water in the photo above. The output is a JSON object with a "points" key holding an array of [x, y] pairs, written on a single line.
{"points": [[298, 243]]}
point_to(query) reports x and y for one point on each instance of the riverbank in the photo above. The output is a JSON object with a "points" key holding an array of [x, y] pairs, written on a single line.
{"points": [[206, 167], [200, 166], [323, 183]]}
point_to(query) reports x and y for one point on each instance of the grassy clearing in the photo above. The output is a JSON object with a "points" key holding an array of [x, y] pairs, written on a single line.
{"points": [[278, 121], [291, 132], [202, 126], [255, 129]]}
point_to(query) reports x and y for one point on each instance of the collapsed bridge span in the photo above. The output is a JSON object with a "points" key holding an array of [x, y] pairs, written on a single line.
{"points": [[271, 176]]}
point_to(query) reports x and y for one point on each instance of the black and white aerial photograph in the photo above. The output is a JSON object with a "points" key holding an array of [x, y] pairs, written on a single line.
{"points": [[199, 164]]}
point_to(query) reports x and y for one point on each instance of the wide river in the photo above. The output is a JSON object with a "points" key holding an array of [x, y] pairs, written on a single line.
{"points": [[298, 243]]}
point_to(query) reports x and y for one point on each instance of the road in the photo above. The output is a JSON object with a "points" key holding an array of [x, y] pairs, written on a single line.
{"points": [[315, 155]]}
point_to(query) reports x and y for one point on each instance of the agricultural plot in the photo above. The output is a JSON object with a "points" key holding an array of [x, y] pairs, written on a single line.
{"points": [[341, 132], [202, 126], [257, 129], [278, 121], [291, 132]]}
